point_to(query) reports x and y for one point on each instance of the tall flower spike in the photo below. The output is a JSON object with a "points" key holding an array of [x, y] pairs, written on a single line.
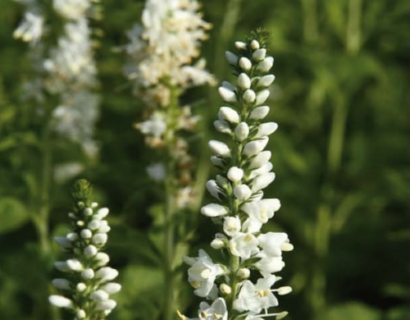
{"points": [[240, 209], [87, 281]]}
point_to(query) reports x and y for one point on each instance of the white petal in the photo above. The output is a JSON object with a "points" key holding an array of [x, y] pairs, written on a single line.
{"points": [[214, 210]]}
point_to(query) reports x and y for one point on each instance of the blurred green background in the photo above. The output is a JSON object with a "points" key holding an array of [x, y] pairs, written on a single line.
{"points": [[341, 157]]}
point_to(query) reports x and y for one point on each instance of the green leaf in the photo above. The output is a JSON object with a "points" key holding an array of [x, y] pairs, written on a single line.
{"points": [[13, 214]]}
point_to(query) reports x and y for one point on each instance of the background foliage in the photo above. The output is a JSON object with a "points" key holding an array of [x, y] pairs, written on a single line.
{"points": [[341, 154]]}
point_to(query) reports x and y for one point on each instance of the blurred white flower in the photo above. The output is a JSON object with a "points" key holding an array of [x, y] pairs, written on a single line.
{"points": [[157, 172], [31, 28], [71, 9]]}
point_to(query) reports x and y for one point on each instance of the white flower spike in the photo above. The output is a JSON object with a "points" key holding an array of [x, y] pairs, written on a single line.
{"points": [[244, 171]]}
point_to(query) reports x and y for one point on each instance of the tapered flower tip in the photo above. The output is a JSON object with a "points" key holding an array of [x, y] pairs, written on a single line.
{"points": [[219, 148], [227, 94], [259, 113], [214, 210], [111, 288], [60, 301]]}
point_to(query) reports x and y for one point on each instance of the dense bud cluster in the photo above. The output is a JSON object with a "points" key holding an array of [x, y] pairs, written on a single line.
{"points": [[245, 171], [87, 281]]}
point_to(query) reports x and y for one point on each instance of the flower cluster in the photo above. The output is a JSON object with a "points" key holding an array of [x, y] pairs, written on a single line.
{"points": [[245, 170], [87, 283], [160, 66], [32, 26]]}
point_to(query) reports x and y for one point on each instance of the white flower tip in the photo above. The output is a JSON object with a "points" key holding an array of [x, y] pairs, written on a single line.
{"points": [[227, 94], [245, 64], [225, 289], [235, 174], [214, 210], [231, 58], [255, 45], [286, 246], [240, 45], [60, 301], [217, 244]]}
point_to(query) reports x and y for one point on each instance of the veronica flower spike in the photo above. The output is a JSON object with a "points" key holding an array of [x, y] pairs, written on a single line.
{"points": [[242, 283], [87, 281]]}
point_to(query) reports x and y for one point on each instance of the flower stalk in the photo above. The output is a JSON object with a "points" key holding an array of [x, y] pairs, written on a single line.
{"points": [[87, 281], [244, 171]]}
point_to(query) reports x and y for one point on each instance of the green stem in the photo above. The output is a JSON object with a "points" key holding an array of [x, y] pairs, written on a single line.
{"points": [[353, 32], [168, 245]]}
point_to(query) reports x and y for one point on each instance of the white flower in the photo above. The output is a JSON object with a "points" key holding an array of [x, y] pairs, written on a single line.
{"points": [[268, 264], [213, 188], [216, 311], [245, 64], [271, 243], [249, 96], [228, 114], [31, 28], [244, 245], [227, 95], [219, 148], [265, 65], [266, 81], [106, 274], [222, 126], [231, 58], [244, 82], [259, 54], [154, 126], [266, 129], [214, 210], [260, 159], [232, 226], [259, 113], [242, 192], [157, 171], [99, 295], [202, 274], [254, 147], [261, 171], [106, 305], [262, 181], [111, 287], [256, 298], [63, 284]]}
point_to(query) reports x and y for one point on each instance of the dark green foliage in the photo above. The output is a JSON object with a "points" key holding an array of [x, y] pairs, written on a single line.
{"points": [[341, 155]]}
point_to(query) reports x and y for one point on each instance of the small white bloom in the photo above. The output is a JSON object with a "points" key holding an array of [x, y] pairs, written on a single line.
{"points": [[265, 65], [262, 181], [259, 113], [81, 314], [31, 28], [268, 265], [242, 131], [235, 174], [232, 226], [217, 243], [271, 243], [214, 210], [94, 224], [102, 258], [228, 114], [227, 94], [254, 147], [72, 236], [249, 96], [242, 192], [104, 227], [202, 274], [225, 289], [245, 64], [244, 82], [256, 298], [219, 148], [99, 238], [266, 81], [243, 273], [266, 129], [81, 287], [259, 54], [60, 301], [101, 214], [74, 265], [155, 125], [63, 242], [265, 168], [88, 212], [232, 58], [244, 245], [157, 172], [217, 311], [262, 96]]}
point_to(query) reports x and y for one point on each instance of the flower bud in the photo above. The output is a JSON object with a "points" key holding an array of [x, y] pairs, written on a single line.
{"points": [[235, 174], [260, 159], [284, 290], [255, 45], [228, 114], [81, 287], [86, 234], [99, 238], [213, 188], [222, 182], [111, 288], [94, 224], [242, 131], [219, 148], [72, 236], [88, 212], [232, 58], [232, 225], [262, 181], [265, 65], [266, 129], [259, 55], [102, 259], [254, 147], [104, 227], [243, 273], [249, 96], [222, 126], [244, 82], [266, 81], [74, 265], [87, 274], [63, 284], [259, 113], [245, 64], [262, 96], [217, 244], [242, 192], [81, 314], [99, 295], [214, 210], [101, 214], [216, 161], [240, 45], [107, 274], [227, 94], [106, 305], [60, 301], [225, 289], [63, 242]]}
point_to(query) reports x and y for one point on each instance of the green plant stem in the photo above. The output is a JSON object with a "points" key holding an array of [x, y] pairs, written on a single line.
{"points": [[169, 212]]}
